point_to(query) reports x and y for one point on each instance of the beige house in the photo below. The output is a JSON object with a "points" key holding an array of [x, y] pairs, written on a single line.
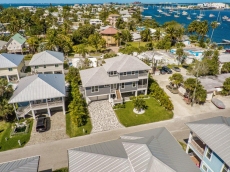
{"points": [[47, 62], [108, 35], [112, 19], [11, 66], [16, 43]]}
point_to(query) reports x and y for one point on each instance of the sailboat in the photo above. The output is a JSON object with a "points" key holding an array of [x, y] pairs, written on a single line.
{"points": [[189, 18], [184, 13], [218, 19], [176, 15], [211, 15]]}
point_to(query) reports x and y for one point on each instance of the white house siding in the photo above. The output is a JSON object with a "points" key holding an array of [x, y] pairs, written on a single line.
{"points": [[14, 46], [49, 68]]}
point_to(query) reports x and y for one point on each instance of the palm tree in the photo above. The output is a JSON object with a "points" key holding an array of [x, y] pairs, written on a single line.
{"points": [[118, 37], [214, 25], [81, 49], [33, 43], [146, 35], [139, 104], [203, 29], [179, 33], [157, 35], [193, 26], [179, 53], [126, 36], [171, 31]]}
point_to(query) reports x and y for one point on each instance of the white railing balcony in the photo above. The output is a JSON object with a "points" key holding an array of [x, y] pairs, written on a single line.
{"points": [[117, 101], [196, 146], [142, 86], [23, 110], [113, 90], [143, 74], [49, 104]]}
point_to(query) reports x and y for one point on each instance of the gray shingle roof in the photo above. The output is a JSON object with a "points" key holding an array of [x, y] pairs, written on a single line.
{"points": [[46, 58], [150, 150], [29, 164], [98, 76], [124, 63], [214, 132], [37, 87], [10, 60]]}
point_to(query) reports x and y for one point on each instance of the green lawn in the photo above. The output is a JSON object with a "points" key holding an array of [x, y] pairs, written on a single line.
{"points": [[74, 131], [12, 142], [65, 169], [153, 113], [136, 44]]}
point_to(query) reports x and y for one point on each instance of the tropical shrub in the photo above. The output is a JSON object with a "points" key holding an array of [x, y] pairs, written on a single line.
{"points": [[226, 87], [139, 104], [226, 68]]}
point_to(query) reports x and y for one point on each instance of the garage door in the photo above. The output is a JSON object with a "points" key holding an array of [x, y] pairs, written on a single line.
{"points": [[104, 97]]}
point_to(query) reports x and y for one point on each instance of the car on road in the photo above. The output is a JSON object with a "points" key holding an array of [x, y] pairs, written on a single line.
{"points": [[172, 89], [41, 124], [177, 69], [167, 69]]}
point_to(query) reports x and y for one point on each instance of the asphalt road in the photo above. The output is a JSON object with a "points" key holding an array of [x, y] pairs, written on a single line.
{"points": [[54, 154]]}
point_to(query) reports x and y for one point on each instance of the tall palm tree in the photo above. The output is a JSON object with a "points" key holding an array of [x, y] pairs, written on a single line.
{"points": [[118, 37], [157, 35], [193, 26], [81, 49], [203, 29], [214, 25], [179, 33], [126, 36], [179, 53], [146, 35], [171, 31]]}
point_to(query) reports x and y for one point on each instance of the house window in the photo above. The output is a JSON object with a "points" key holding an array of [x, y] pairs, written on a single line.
{"points": [[114, 72], [134, 84], [106, 86], [113, 86], [204, 168], [94, 89], [209, 153], [56, 65], [44, 66], [125, 73], [122, 85], [133, 72], [10, 69], [225, 168], [36, 67]]}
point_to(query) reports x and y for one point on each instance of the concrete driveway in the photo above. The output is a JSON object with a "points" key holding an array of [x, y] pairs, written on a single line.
{"points": [[56, 131], [181, 109], [103, 117]]}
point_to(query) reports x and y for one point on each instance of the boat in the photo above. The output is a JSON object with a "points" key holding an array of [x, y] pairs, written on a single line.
{"points": [[184, 13], [211, 15], [225, 18], [175, 15], [189, 18], [228, 20], [218, 103], [199, 17], [157, 15], [194, 14]]}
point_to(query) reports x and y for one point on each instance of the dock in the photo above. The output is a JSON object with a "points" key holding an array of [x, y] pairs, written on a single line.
{"points": [[226, 41]]}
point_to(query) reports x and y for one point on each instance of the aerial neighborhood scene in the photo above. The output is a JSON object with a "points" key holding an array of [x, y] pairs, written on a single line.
{"points": [[114, 86]]}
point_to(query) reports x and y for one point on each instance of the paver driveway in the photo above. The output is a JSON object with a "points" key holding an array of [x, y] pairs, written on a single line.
{"points": [[57, 130], [103, 117]]}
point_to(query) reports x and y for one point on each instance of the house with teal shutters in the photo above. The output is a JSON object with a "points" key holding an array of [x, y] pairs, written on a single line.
{"points": [[209, 144]]}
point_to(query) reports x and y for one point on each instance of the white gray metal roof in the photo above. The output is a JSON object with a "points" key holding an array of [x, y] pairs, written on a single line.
{"points": [[38, 87], [98, 76], [47, 57], [124, 63], [10, 60], [224, 57], [215, 133], [29, 164], [152, 150]]}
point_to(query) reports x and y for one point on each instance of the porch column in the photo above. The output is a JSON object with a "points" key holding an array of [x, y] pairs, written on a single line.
{"points": [[63, 105], [146, 92], [33, 114], [135, 93], [53, 72], [15, 111], [18, 76], [48, 110], [187, 148], [7, 77], [189, 140]]}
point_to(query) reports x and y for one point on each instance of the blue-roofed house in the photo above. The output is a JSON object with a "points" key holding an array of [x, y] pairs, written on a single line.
{"points": [[47, 62], [154, 150], [16, 43], [29, 164], [209, 144], [11, 66], [37, 93]]}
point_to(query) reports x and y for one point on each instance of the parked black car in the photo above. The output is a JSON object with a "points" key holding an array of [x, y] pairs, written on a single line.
{"points": [[162, 72], [177, 69], [167, 69], [41, 124]]}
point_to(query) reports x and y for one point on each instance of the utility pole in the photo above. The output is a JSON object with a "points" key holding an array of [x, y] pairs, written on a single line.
{"points": [[194, 92]]}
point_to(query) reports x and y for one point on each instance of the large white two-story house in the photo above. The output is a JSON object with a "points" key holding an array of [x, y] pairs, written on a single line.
{"points": [[116, 79], [16, 43], [37, 93], [11, 66], [47, 62]]}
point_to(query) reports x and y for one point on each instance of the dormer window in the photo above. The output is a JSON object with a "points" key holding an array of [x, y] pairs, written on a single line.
{"points": [[125, 73], [113, 73], [133, 72], [36, 67], [10, 69]]}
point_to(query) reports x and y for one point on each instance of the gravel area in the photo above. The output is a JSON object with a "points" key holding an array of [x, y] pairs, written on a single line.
{"points": [[103, 117], [56, 131]]}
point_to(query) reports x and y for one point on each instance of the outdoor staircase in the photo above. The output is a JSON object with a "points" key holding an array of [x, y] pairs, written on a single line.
{"points": [[118, 94], [23, 111]]}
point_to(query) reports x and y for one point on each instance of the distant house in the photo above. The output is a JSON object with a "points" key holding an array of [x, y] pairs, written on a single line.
{"points": [[95, 22], [38, 93], [47, 62], [29, 164], [119, 77], [209, 144], [154, 150], [112, 18], [2, 44], [224, 58], [108, 35], [11, 66], [16, 43]]}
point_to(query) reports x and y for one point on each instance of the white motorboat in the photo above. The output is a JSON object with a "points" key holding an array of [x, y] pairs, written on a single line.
{"points": [[184, 13], [225, 18], [211, 15], [175, 15], [189, 18]]}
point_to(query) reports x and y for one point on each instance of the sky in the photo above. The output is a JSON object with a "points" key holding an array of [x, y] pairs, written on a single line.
{"points": [[102, 1]]}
